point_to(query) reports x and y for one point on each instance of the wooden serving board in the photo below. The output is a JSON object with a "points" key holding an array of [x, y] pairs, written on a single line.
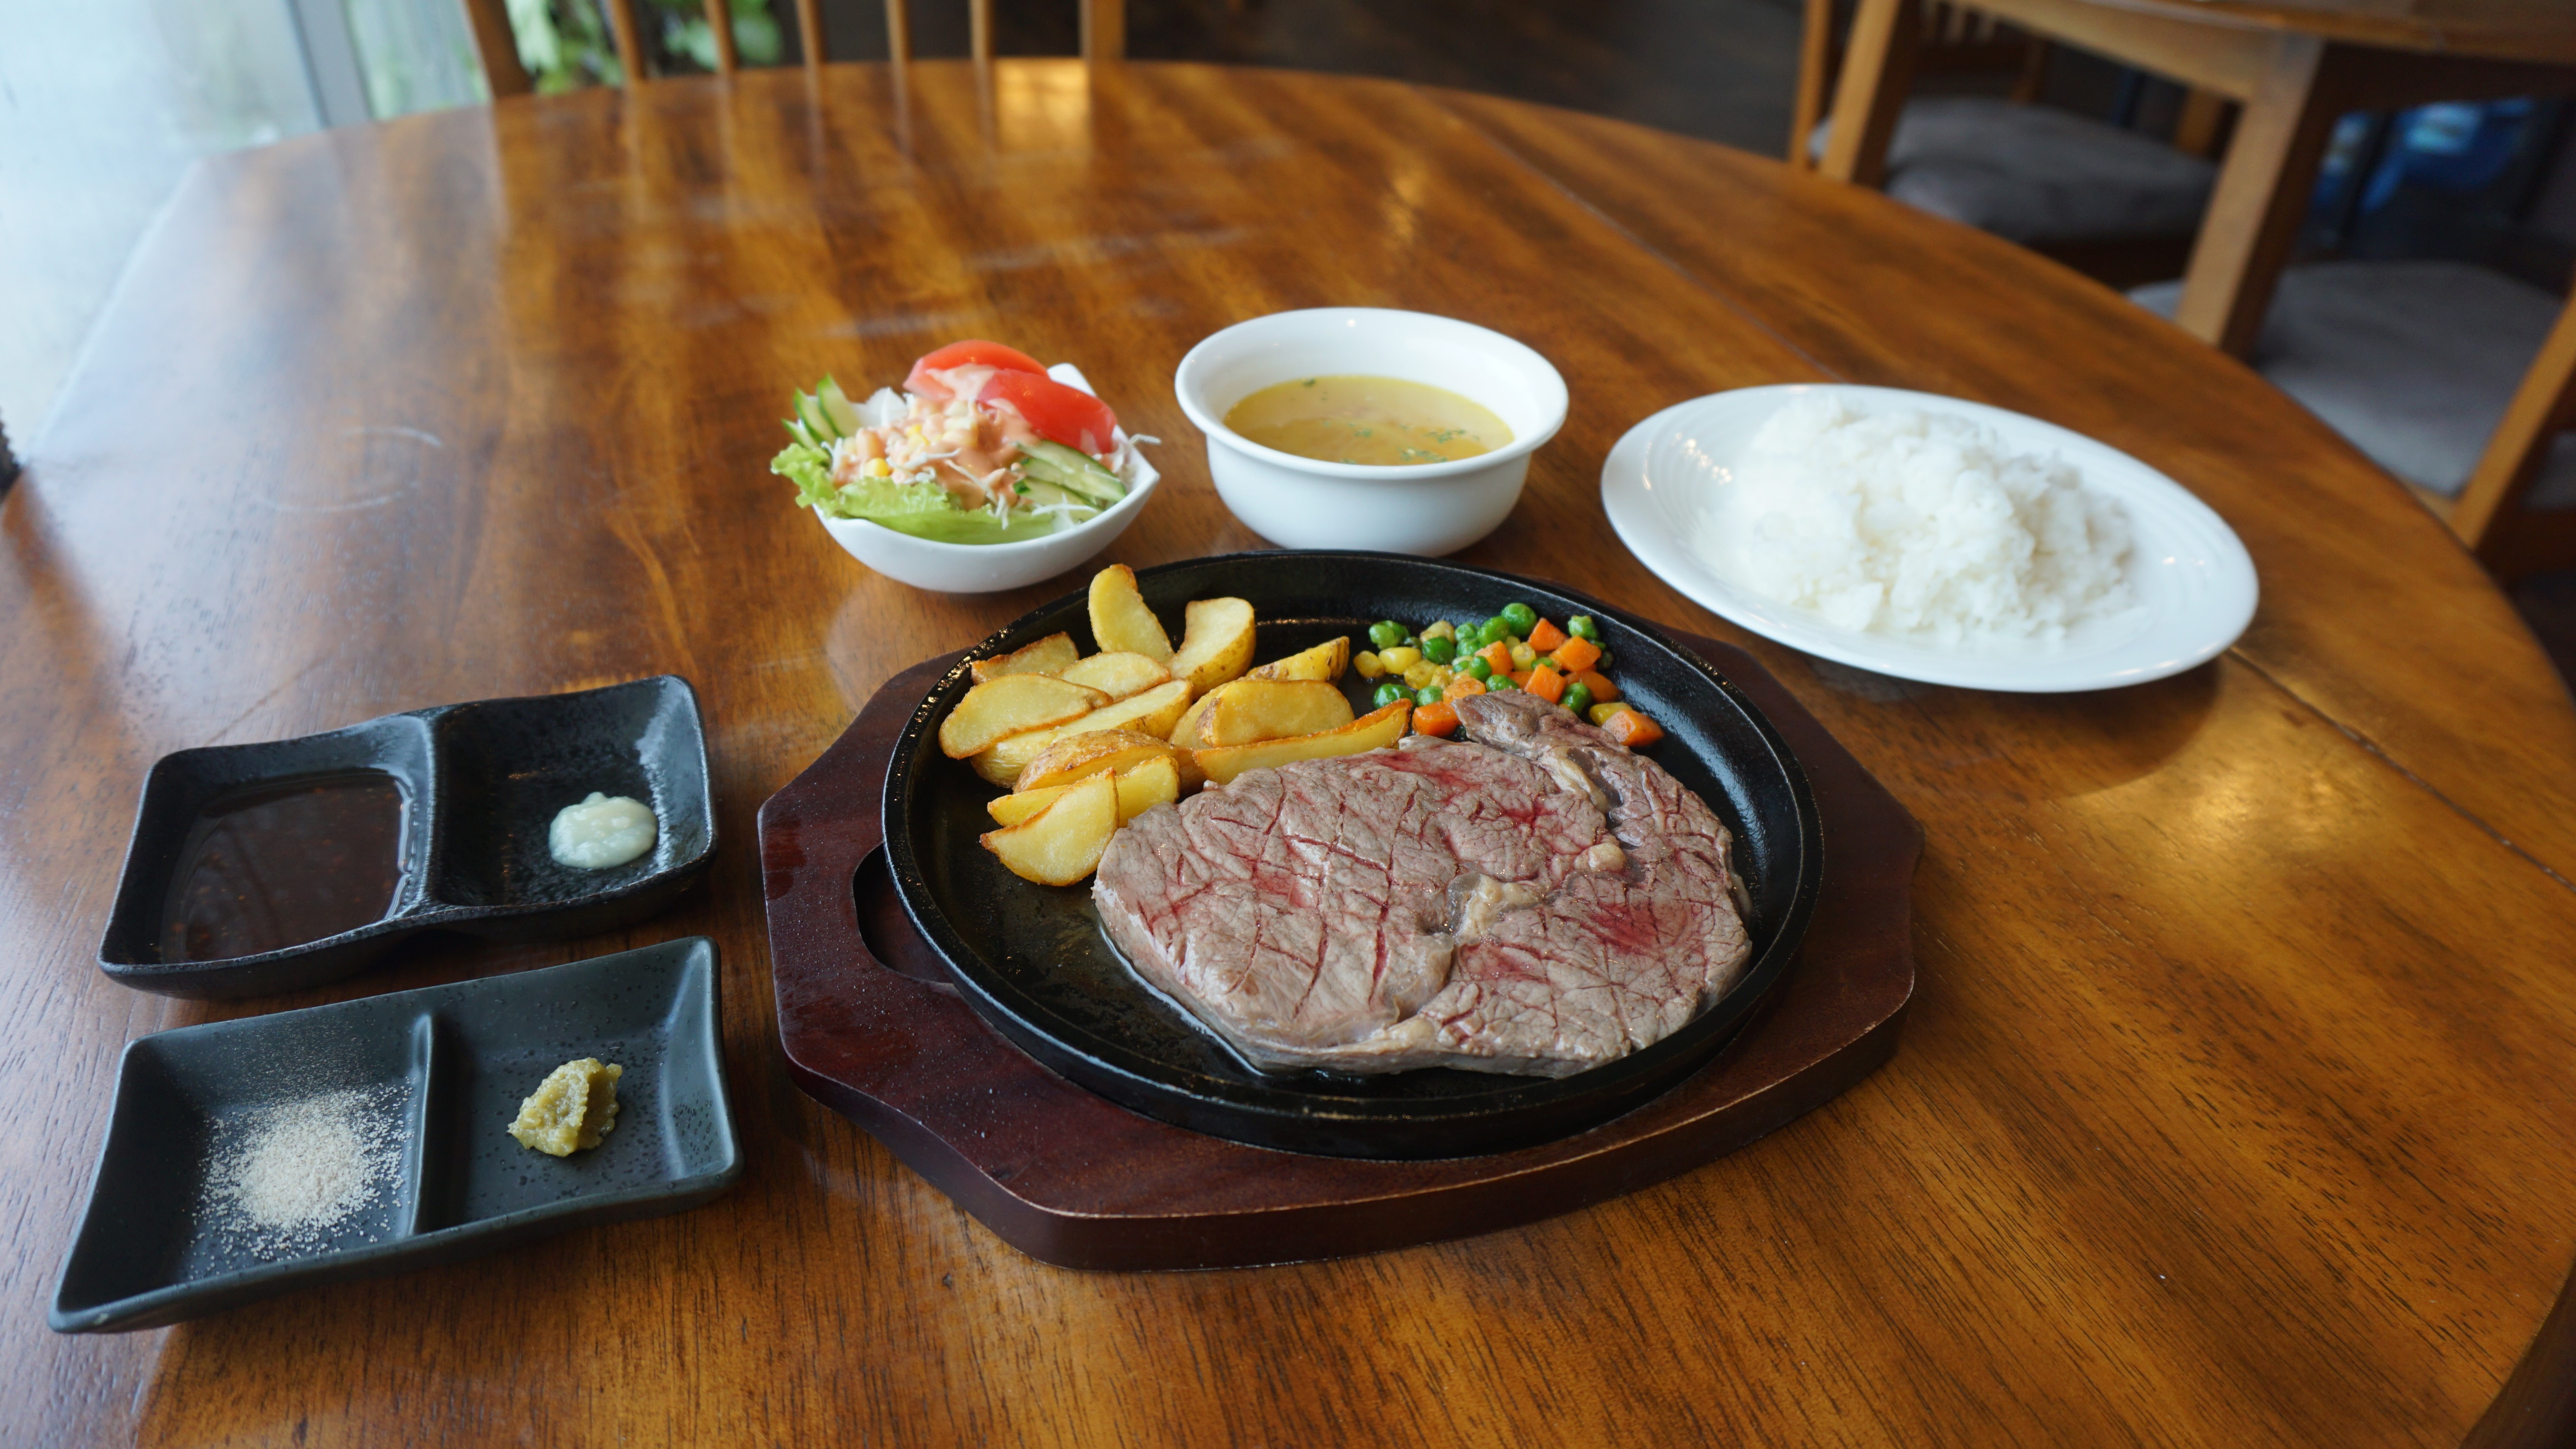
{"points": [[873, 1030]]}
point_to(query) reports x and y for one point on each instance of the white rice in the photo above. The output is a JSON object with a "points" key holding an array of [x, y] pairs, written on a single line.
{"points": [[1917, 525]]}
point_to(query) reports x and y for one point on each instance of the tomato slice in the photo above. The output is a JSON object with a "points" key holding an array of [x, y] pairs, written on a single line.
{"points": [[969, 353], [1061, 414]]}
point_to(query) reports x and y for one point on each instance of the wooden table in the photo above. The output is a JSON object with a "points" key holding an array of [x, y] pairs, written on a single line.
{"points": [[2232, 1107], [2295, 66]]}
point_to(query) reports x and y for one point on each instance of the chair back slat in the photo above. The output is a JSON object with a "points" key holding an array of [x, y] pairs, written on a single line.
{"points": [[720, 24]]}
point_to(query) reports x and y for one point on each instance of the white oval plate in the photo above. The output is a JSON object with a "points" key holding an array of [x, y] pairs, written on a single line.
{"points": [[2194, 582]]}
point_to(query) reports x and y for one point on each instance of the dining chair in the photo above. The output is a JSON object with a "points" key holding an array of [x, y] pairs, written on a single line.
{"points": [[2459, 380], [497, 47], [2102, 198]]}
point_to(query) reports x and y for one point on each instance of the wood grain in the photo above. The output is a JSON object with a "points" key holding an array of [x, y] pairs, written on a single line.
{"points": [[2231, 1103]]}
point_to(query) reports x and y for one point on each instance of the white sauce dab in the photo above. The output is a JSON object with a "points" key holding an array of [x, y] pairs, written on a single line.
{"points": [[602, 831]]}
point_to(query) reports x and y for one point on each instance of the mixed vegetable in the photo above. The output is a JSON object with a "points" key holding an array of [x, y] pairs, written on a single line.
{"points": [[981, 446], [1515, 649]]}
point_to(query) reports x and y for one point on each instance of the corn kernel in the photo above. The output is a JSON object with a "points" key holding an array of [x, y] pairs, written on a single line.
{"points": [[1600, 713], [1419, 676], [1400, 658], [1441, 674], [1367, 664], [1441, 629], [1524, 658]]}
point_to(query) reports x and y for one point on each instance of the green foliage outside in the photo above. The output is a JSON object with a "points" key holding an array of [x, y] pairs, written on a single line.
{"points": [[566, 44]]}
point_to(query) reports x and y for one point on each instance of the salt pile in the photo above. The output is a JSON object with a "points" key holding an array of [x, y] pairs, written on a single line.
{"points": [[287, 1178], [1908, 523]]}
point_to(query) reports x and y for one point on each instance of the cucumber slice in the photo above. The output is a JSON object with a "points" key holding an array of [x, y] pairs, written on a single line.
{"points": [[810, 411], [796, 429], [1072, 470], [838, 407]]}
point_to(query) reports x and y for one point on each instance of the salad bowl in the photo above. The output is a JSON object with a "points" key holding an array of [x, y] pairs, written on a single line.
{"points": [[986, 568]]}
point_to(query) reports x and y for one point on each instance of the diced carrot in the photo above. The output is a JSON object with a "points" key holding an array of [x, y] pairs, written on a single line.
{"points": [[1546, 683], [1631, 728], [1461, 686], [1521, 679], [1435, 719], [1603, 691], [1499, 655], [1544, 636], [1575, 655]]}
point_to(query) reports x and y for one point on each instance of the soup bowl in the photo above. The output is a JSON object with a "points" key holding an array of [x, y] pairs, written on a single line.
{"points": [[1417, 508]]}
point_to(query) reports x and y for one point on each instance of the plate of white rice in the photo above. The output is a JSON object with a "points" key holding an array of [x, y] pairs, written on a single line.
{"points": [[1929, 538]]}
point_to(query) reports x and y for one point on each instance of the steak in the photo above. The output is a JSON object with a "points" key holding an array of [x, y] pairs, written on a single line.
{"points": [[1533, 899]]}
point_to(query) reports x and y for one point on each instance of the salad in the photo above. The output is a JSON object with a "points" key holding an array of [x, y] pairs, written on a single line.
{"points": [[982, 445]]}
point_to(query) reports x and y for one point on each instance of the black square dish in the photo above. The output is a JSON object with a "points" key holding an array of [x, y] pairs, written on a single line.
{"points": [[434, 819], [427, 1082]]}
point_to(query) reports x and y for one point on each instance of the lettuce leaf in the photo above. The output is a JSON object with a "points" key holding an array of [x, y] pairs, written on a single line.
{"points": [[923, 510]]}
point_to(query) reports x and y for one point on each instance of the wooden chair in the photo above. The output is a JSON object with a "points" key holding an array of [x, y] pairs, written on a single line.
{"points": [[2103, 199], [1104, 36]]}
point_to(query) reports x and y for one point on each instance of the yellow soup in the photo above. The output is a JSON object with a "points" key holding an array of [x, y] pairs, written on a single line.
{"points": [[1367, 420]]}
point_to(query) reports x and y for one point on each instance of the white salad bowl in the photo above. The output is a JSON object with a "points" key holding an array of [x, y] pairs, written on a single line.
{"points": [[988, 568], [1416, 508]]}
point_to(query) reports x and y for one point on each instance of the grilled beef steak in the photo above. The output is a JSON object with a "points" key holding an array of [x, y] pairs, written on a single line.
{"points": [[1535, 900]]}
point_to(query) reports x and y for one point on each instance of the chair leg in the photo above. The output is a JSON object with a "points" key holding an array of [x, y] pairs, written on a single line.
{"points": [[497, 49], [2034, 73], [720, 22], [630, 40], [979, 30], [1104, 30], [2261, 197], [809, 32], [1815, 78], [898, 29], [2488, 517], [1878, 69]]}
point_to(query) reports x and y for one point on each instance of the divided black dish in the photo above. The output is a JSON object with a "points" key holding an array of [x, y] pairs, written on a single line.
{"points": [[481, 784], [451, 1064], [1033, 962]]}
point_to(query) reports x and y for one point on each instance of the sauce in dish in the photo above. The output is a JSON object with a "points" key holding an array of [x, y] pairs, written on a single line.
{"points": [[280, 866], [1373, 420]]}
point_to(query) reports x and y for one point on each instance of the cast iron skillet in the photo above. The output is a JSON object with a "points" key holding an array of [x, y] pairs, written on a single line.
{"points": [[1032, 960]]}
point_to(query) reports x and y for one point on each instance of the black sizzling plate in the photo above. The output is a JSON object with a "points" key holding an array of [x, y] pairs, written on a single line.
{"points": [[1033, 962]]}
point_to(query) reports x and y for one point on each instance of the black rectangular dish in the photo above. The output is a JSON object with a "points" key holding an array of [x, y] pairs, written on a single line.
{"points": [[434, 819], [417, 1090]]}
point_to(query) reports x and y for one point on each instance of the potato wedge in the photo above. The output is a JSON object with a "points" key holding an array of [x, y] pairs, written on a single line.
{"points": [[1013, 704], [1074, 756], [1119, 618], [1274, 709], [1372, 731], [1154, 713], [1062, 843], [1216, 646], [1117, 674], [1190, 733], [1325, 661], [1047, 656], [1141, 787]]}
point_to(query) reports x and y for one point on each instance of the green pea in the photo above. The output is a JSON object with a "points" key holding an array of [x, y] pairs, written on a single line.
{"points": [[1578, 697], [1499, 683], [1602, 664], [1582, 627], [1440, 650], [1426, 696], [1386, 633], [1522, 618], [1389, 692], [1478, 669], [1496, 630]]}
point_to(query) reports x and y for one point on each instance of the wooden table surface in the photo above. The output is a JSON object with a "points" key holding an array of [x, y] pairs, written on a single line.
{"points": [[2232, 1107]]}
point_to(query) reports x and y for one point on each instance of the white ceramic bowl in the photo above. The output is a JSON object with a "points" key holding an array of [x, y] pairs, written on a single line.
{"points": [[987, 568], [1419, 508]]}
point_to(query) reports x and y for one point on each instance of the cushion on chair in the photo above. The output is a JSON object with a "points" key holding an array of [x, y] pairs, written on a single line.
{"points": [[2032, 174], [2413, 361]]}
